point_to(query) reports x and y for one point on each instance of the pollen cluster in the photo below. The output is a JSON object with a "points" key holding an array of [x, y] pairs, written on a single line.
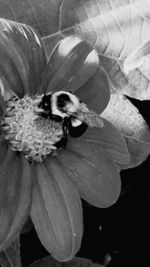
{"points": [[27, 131]]}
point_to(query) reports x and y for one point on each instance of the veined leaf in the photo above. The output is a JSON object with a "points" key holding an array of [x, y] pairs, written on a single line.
{"points": [[41, 15], [108, 25], [128, 120], [114, 28], [136, 59]]}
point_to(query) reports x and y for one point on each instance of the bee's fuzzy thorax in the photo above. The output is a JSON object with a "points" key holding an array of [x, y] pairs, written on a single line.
{"points": [[64, 103]]}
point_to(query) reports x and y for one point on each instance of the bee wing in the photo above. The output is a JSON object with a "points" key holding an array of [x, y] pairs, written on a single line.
{"points": [[88, 116]]}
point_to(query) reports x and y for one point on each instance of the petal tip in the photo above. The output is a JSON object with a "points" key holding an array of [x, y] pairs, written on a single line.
{"points": [[67, 44], [92, 58]]}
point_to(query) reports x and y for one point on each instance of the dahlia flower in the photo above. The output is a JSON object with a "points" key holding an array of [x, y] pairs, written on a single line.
{"points": [[49, 189]]}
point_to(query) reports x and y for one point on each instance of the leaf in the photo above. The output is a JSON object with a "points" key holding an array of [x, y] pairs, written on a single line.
{"points": [[137, 58], [101, 23], [42, 16], [104, 22], [120, 82], [131, 124], [76, 262]]}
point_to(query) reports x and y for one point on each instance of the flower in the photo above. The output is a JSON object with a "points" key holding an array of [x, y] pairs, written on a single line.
{"points": [[50, 190]]}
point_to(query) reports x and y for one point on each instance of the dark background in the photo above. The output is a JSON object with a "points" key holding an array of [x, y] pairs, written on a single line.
{"points": [[118, 235]]}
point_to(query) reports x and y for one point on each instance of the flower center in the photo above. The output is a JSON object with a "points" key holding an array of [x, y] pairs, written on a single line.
{"points": [[28, 132]]}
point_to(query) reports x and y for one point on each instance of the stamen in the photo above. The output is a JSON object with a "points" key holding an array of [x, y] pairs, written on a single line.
{"points": [[27, 131]]}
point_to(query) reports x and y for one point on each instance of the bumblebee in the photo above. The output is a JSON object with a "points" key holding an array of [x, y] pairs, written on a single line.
{"points": [[67, 108]]}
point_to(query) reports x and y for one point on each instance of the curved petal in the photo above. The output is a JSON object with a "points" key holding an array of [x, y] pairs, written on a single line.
{"points": [[95, 92], [15, 196], [22, 58], [71, 64], [56, 211], [109, 140], [94, 174]]}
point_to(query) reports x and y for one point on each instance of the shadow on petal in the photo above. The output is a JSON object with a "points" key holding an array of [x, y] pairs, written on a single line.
{"points": [[56, 211], [96, 91], [71, 64]]}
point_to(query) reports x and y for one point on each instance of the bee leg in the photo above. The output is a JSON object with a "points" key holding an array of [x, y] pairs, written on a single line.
{"points": [[64, 139], [62, 143], [65, 127]]}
